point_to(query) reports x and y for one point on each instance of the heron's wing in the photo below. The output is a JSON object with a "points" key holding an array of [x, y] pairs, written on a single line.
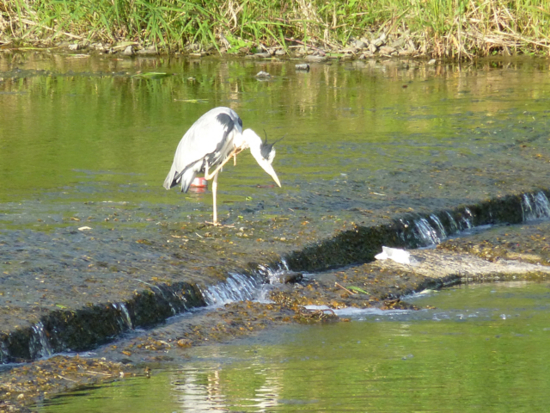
{"points": [[208, 141]]}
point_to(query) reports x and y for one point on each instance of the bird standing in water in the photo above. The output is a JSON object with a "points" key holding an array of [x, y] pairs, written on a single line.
{"points": [[209, 144]]}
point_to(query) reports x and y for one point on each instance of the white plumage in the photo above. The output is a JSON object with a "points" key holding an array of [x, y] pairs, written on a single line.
{"points": [[210, 143]]}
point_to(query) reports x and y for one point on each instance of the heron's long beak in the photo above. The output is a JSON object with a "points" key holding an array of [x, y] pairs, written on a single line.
{"points": [[254, 142], [266, 166]]}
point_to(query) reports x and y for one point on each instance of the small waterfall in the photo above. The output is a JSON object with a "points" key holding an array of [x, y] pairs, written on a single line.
{"points": [[426, 233], [126, 315], [452, 223], [125, 320], [4, 353], [467, 219], [439, 225], [535, 206], [275, 276], [155, 288], [240, 287], [430, 231], [237, 287], [39, 344]]}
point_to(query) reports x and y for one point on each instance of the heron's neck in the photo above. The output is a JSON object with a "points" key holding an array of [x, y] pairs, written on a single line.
{"points": [[252, 141]]}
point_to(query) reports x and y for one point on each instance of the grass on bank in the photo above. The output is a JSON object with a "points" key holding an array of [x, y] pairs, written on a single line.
{"points": [[436, 28]]}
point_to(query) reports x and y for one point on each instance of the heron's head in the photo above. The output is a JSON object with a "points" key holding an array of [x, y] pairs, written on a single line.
{"points": [[263, 152]]}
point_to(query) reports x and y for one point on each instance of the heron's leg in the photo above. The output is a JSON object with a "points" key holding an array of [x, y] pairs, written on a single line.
{"points": [[215, 171], [236, 151], [214, 190]]}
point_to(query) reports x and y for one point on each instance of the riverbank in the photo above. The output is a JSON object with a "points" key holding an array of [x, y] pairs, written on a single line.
{"points": [[337, 29]]}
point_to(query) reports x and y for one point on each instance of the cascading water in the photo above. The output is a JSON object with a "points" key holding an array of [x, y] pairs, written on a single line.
{"points": [[237, 287], [452, 224], [125, 320], [441, 229], [425, 233], [467, 219], [4, 353], [535, 206], [39, 345]]}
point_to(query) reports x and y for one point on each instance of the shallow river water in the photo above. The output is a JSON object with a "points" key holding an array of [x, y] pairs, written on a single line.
{"points": [[484, 348], [393, 136], [88, 141]]}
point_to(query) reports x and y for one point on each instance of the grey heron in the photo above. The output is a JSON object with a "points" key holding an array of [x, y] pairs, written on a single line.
{"points": [[215, 138]]}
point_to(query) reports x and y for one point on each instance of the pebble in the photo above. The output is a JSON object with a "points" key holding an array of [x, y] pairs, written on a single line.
{"points": [[315, 59], [129, 51]]}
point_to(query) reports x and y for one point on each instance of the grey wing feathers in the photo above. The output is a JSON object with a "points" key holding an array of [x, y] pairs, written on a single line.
{"points": [[208, 141]]}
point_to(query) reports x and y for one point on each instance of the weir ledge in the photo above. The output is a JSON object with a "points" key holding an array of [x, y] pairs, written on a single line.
{"points": [[88, 327]]}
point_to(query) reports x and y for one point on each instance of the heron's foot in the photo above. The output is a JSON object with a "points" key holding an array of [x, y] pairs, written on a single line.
{"points": [[217, 224]]}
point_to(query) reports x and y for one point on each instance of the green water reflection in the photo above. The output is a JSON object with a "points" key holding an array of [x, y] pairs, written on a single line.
{"points": [[88, 128], [484, 349]]}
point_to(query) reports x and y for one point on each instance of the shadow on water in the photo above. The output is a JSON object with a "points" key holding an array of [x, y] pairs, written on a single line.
{"points": [[375, 153]]}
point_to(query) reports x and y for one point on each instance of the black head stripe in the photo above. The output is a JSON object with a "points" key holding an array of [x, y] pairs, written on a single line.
{"points": [[265, 149]]}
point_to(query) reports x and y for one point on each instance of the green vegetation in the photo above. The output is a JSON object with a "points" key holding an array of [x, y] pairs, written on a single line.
{"points": [[436, 28]]}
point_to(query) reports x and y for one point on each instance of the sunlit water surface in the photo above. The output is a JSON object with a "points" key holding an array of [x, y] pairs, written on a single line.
{"points": [[360, 138], [485, 348], [80, 129]]}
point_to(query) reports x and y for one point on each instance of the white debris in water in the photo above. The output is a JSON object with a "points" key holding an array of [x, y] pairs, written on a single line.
{"points": [[398, 255], [352, 311], [424, 292]]}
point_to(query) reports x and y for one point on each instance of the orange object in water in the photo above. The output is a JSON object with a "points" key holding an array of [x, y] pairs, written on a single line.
{"points": [[199, 183]]}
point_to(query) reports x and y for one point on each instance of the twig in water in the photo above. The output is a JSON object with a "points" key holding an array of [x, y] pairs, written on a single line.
{"points": [[65, 378], [344, 288]]}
